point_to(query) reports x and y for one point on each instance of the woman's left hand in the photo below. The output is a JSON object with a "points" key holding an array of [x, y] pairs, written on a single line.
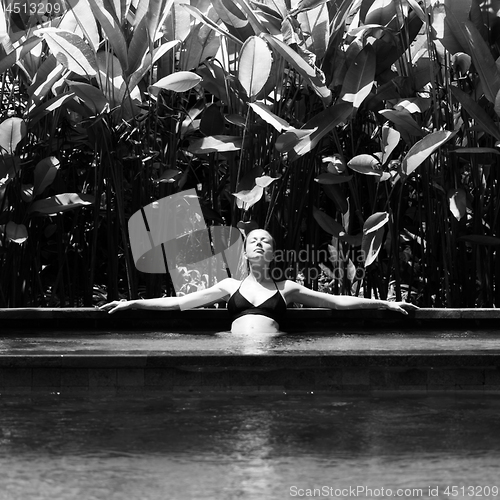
{"points": [[401, 307], [117, 305]]}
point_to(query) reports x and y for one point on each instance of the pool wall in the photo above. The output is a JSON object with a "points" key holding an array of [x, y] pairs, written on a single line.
{"points": [[195, 370], [351, 373], [297, 320]]}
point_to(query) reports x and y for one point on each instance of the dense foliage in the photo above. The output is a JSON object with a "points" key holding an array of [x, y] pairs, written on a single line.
{"points": [[363, 132]]}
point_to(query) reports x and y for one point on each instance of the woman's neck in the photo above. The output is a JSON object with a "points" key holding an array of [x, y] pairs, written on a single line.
{"points": [[260, 274]]}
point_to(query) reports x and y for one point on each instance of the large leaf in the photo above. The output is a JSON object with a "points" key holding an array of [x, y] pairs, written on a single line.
{"points": [[265, 180], [309, 73], [447, 28], [373, 235], [145, 32], [327, 178], [390, 139], [254, 21], [458, 202], [230, 14], [419, 11], [61, 203], [248, 198], [45, 173], [201, 43], [91, 96], [375, 222], [4, 35], [9, 167], [335, 164], [381, 12], [315, 26], [157, 13], [413, 104], [215, 81], [365, 164], [254, 67], [70, 50], [112, 28], [327, 223], [169, 176], [322, 124], [360, 78], [178, 23], [212, 122], [476, 112], [483, 62], [420, 151], [111, 78], [38, 112], [197, 14], [337, 196], [18, 53], [215, 144], [142, 42], [148, 61], [403, 120], [287, 141], [390, 48], [269, 117], [17, 233], [180, 81], [306, 5], [450, 27], [12, 131], [371, 245], [48, 74], [86, 20]]}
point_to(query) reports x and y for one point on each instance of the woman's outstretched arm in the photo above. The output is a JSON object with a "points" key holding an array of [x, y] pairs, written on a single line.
{"points": [[311, 298], [188, 301]]}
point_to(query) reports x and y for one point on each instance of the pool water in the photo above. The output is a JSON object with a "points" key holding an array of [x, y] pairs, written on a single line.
{"points": [[356, 341], [245, 446]]}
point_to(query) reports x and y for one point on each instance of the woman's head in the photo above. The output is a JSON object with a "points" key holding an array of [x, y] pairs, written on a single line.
{"points": [[259, 245]]}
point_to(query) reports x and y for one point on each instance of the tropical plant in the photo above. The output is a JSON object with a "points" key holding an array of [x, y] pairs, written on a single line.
{"points": [[376, 119]]}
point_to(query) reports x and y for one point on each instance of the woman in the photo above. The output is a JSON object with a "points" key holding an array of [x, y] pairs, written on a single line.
{"points": [[258, 303]]}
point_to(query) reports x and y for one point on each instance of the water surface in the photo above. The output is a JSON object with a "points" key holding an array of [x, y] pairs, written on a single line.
{"points": [[356, 341], [249, 447]]}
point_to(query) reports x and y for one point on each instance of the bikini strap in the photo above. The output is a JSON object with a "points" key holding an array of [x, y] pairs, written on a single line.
{"points": [[241, 283], [281, 293]]}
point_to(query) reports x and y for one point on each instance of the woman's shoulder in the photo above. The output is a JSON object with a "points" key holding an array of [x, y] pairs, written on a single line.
{"points": [[229, 285], [287, 285]]}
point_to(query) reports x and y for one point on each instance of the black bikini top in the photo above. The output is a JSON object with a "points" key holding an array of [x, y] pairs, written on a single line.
{"points": [[274, 307]]}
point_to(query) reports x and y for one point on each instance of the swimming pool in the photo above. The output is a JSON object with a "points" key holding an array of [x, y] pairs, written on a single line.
{"points": [[356, 341], [133, 414], [154, 446], [350, 361]]}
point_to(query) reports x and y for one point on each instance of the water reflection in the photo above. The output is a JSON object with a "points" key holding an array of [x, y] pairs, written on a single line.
{"points": [[251, 470], [240, 446], [251, 343]]}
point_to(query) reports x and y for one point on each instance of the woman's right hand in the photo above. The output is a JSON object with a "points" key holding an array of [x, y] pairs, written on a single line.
{"points": [[117, 305]]}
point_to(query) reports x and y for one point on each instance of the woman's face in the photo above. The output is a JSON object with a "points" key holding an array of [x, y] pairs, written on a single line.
{"points": [[259, 246]]}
